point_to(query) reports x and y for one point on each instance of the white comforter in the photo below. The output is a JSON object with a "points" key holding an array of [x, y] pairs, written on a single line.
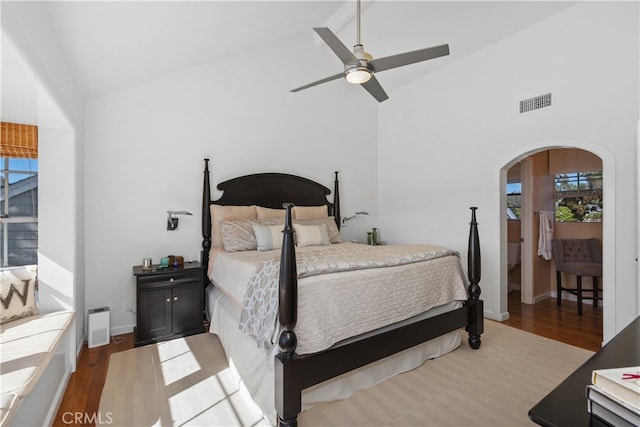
{"points": [[339, 300]]}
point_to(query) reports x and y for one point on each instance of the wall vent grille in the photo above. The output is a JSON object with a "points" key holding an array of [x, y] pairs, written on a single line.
{"points": [[535, 103]]}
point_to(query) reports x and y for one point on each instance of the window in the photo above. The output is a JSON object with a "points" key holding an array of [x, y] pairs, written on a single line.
{"points": [[514, 200], [578, 197], [18, 211]]}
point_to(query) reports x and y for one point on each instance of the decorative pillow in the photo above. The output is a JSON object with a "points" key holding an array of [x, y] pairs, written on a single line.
{"points": [[311, 235], [310, 212], [330, 222], [221, 213], [268, 237], [17, 291], [272, 221], [266, 213], [238, 235]]}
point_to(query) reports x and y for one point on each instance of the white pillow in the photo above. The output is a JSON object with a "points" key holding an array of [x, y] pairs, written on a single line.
{"points": [[311, 235], [268, 237]]}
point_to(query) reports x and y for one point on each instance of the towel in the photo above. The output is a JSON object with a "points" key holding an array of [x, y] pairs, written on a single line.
{"points": [[546, 234]]}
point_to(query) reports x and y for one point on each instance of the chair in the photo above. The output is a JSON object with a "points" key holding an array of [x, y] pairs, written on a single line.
{"points": [[581, 257]]}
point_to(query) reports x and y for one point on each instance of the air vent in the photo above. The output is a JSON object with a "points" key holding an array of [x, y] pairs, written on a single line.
{"points": [[535, 103]]}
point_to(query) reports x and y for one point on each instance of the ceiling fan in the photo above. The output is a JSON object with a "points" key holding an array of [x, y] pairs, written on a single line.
{"points": [[360, 67]]}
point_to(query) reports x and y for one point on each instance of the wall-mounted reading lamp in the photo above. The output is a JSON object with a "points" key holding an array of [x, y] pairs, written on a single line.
{"points": [[172, 219], [347, 218]]}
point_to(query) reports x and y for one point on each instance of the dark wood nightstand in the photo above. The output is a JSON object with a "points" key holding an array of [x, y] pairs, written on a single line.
{"points": [[169, 302]]}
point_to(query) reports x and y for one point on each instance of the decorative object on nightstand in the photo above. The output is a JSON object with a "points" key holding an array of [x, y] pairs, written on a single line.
{"points": [[169, 302], [373, 237]]}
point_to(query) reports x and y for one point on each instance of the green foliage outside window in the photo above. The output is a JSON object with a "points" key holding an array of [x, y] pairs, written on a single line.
{"points": [[579, 197]]}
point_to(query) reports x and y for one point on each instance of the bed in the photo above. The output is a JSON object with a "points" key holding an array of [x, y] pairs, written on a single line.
{"points": [[281, 311]]}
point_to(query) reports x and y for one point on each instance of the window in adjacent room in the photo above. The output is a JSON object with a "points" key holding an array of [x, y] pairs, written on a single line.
{"points": [[578, 197], [18, 195], [514, 200]]}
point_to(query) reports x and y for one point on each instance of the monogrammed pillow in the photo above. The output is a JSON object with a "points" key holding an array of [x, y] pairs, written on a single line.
{"points": [[17, 292]]}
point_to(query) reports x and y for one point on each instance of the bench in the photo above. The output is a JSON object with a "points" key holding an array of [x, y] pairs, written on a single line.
{"points": [[37, 356]]}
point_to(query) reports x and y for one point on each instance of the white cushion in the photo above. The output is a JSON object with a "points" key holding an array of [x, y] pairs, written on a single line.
{"points": [[268, 237], [311, 235]]}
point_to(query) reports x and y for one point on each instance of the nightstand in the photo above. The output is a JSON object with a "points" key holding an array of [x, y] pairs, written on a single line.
{"points": [[169, 302]]}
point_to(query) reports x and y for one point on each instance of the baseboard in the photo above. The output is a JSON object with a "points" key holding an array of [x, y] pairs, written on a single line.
{"points": [[501, 317], [541, 297], [122, 330], [570, 297]]}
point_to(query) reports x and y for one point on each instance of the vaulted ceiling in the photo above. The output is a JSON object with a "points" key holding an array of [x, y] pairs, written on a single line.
{"points": [[111, 45]]}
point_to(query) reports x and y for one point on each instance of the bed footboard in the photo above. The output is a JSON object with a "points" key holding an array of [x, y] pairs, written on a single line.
{"points": [[294, 373], [475, 327]]}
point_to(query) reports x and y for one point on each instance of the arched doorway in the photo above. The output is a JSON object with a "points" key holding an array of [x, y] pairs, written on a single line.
{"points": [[530, 266]]}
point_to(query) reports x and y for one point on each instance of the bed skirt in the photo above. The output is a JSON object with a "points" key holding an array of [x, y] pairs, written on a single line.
{"points": [[253, 367]]}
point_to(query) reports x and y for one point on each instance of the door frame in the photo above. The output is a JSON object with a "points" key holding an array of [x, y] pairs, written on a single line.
{"points": [[608, 227]]}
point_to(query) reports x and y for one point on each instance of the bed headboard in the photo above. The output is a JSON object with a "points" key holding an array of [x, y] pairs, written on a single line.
{"points": [[270, 190]]}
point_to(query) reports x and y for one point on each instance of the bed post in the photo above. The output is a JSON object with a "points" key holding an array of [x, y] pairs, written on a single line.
{"points": [[336, 202], [475, 305], [206, 218], [288, 378]]}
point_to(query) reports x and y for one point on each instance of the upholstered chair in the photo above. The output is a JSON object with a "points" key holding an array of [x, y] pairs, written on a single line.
{"points": [[581, 257]]}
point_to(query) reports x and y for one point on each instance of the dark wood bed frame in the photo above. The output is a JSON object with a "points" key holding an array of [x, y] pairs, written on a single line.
{"points": [[294, 372]]}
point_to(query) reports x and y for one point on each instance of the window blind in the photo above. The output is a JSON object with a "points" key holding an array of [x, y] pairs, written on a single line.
{"points": [[19, 141]]}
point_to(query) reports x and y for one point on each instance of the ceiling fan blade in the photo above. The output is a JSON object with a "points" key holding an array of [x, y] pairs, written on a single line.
{"points": [[394, 61], [345, 55], [326, 79], [373, 87]]}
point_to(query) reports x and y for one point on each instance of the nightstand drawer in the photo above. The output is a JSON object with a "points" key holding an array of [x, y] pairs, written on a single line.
{"points": [[170, 278]]}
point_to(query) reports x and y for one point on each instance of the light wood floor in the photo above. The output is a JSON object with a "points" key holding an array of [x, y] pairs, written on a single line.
{"points": [[545, 318]]}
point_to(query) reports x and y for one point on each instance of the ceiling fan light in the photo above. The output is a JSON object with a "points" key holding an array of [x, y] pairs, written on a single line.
{"points": [[357, 75]]}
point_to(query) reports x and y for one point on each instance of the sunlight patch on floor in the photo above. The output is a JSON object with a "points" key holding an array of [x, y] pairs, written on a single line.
{"points": [[214, 401], [177, 360]]}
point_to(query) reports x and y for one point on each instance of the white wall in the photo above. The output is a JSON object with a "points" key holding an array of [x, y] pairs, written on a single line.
{"points": [[458, 127], [60, 118], [145, 148], [444, 140]]}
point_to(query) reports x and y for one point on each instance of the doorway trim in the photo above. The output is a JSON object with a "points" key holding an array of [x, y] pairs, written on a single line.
{"points": [[608, 225]]}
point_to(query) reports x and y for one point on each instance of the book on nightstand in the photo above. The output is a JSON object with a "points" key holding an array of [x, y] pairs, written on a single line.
{"points": [[610, 409]]}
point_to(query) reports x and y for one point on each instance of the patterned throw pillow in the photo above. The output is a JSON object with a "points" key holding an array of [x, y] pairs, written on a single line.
{"points": [[17, 292], [221, 213], [238, 236]]}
